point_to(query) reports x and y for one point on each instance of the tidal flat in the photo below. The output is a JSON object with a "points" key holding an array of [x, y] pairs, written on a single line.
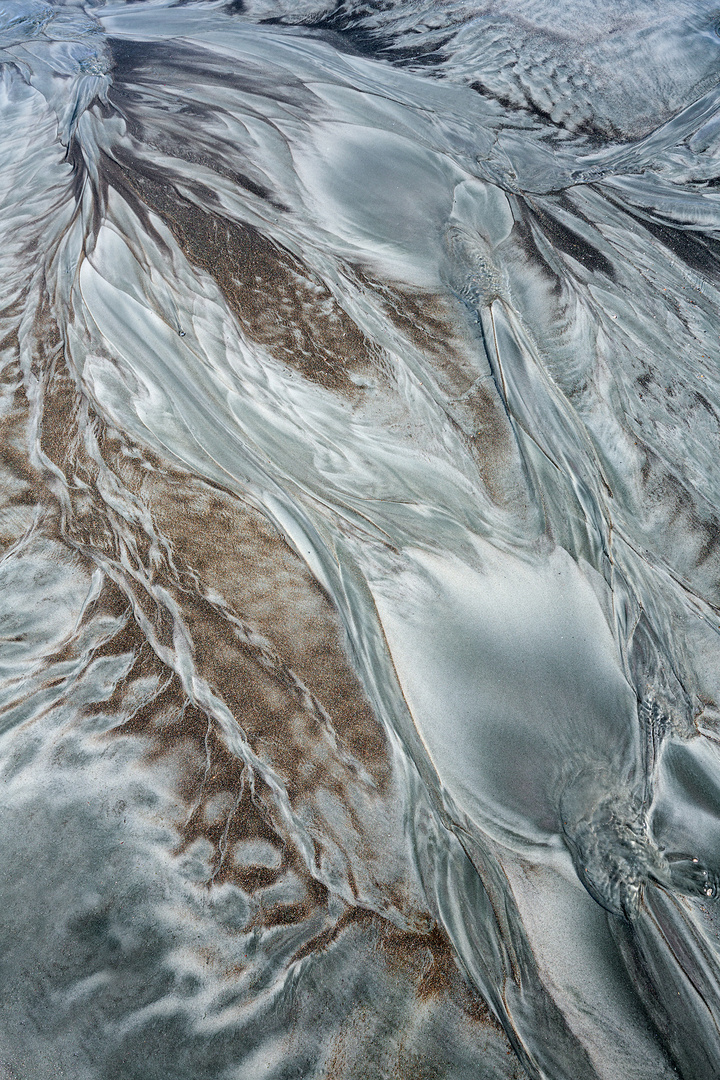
{"points": [[359, 540]]}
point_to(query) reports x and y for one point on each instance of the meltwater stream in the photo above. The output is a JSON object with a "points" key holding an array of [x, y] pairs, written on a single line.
{"points": [[360, 574]]}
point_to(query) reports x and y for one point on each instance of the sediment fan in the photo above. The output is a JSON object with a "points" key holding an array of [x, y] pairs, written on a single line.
{"points": [[361, 555]]}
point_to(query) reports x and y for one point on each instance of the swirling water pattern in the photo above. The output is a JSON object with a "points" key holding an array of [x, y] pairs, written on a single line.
{"points": [[359, 656]]}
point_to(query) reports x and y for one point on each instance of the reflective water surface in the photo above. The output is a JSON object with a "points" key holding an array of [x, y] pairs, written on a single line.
{"points": [[359, 519]]}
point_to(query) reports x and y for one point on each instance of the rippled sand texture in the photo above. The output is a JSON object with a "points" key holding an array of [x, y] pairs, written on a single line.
{"points": [[360, 573]]}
